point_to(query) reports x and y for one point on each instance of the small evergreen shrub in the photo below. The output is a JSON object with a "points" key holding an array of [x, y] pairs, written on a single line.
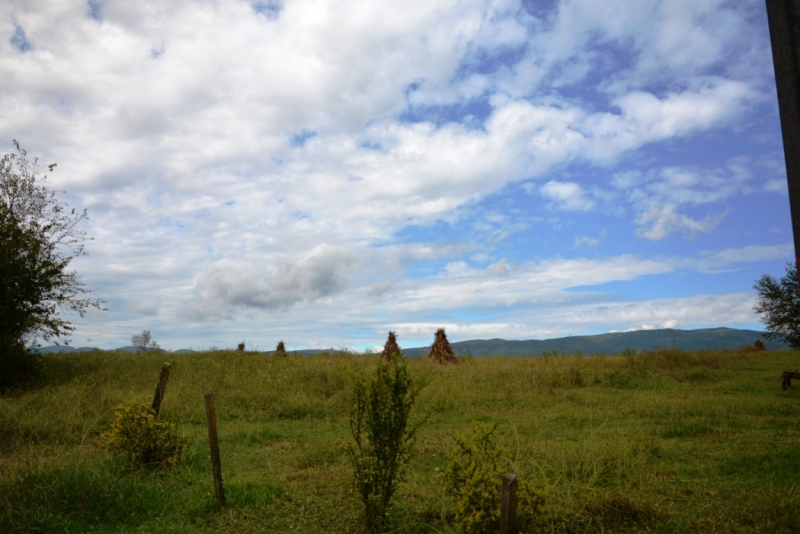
{"points": [[473, 478], [383, 439], [141, 437]]}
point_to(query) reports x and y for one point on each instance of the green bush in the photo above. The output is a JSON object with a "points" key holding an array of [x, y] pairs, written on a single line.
{"points": [[144, 439], [473, 478], [18, 367], [383, 439]]}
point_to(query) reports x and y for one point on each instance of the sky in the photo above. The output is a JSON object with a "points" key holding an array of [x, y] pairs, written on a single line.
{"points": [[324, 171]]}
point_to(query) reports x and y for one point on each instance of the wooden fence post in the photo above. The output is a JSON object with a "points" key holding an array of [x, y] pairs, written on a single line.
{"points": [[508, 507], [158, 398], [211, 417]]}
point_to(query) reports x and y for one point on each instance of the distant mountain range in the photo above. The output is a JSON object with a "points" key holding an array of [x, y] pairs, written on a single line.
{"points": [[705, 338]]}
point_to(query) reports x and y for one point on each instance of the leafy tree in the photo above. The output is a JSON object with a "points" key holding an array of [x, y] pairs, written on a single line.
{"points": [[144, 341], [38, 239], [779, 306]]}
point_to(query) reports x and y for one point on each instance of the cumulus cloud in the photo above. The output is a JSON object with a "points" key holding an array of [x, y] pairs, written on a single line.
{"points": [[229, 284], [500, 268], [568, 195]]}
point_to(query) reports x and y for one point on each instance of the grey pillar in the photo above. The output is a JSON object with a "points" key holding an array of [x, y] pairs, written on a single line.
{"points": [[784, 33]]}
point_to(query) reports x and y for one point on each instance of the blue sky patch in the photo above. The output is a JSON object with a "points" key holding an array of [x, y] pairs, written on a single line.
{"points": [[472, 113], [299, 140], [269, 8], [19, 40], [95, 9]]}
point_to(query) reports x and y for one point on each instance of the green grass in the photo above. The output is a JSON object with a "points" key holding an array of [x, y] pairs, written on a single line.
{"points": [[663, 441]]}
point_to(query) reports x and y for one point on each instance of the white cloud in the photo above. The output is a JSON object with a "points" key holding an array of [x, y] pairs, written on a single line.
{"points": [[660, 221], [776, 185], [697, 310], [708, 261], [568, 195], [462, 331], [590, 241], [500, 268], [459, 269], [229, 284], [681, 113], [641, 327]]}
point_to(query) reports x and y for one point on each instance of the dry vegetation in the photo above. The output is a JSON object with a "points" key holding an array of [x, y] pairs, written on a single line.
{"points": [[390, 347], [441, 351]]}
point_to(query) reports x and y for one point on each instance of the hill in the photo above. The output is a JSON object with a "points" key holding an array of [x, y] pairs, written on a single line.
{"points": [[705, 338]]}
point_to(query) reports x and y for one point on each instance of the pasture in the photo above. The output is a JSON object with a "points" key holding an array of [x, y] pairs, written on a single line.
{"points": [[662, 441]]}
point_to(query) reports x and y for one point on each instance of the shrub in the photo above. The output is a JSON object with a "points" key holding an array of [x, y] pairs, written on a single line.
{"points": [[280, 350], [473, 478], [18, 367], [383, 439], [137, 434]]}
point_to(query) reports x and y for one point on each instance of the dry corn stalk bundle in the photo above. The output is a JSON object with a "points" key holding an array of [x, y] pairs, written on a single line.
{"points": [[441, 351], [280, 350], [390, 347]]}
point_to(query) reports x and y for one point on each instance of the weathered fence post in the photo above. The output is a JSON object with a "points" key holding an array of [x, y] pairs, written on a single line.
{"points": [[158, 398], [211, 417], [508, 506]]}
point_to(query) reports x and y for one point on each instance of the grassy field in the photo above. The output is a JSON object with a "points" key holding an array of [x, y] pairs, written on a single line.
{"points": [[664, 441]]}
